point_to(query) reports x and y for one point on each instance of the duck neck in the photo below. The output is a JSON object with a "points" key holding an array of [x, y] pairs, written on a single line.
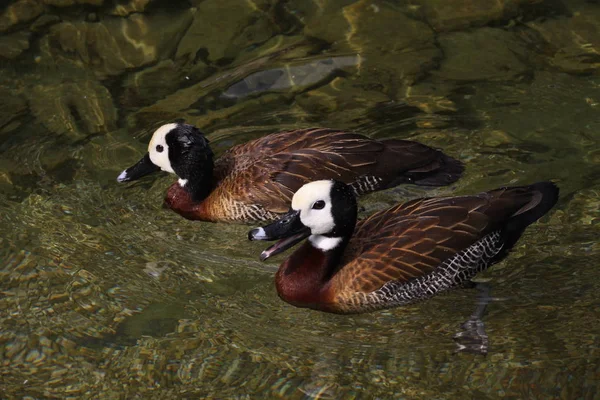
{"points": [[332, 249], [198, 181], [303, 277], [316, 260]]}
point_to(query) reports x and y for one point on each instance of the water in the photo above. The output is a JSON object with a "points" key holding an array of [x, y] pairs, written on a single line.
{"points": [[105, 294]]}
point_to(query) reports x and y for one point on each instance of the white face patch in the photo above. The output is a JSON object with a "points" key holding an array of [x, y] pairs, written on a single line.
{"points": [[320, 221], [158, 142]]}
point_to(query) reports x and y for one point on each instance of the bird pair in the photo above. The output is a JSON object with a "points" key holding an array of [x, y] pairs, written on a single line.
{"points": [[307, 181]]}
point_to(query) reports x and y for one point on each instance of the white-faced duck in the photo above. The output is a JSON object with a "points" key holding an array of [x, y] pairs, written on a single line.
{"points": [[255, 181], [397, 256]]}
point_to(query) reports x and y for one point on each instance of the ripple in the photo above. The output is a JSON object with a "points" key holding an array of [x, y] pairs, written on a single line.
{"points": [[105, 294]]}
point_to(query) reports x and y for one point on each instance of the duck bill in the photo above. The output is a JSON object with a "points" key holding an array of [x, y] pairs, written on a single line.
{"points": [[282, 245], [142, 168], [288, 229]]}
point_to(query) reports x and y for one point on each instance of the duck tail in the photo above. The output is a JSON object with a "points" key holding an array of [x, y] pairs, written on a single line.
{"points": [[431, 166], [544, 197], [442, 171]]}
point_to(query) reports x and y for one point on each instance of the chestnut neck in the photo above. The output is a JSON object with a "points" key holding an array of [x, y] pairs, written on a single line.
{"points": [[180, 200], [301, 278]]}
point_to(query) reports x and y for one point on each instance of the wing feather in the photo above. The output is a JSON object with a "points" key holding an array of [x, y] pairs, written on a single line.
{"points": [[268, 170], [412, 239]]}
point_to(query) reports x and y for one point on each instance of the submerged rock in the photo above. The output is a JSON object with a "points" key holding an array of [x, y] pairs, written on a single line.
{"points": [[43, 22], [6, 183], [19, 12], [113, 45], [13, 107], [133, 6], [291, 77], [397, 51], [66, 3], [322, 19], [206, 95], [222, 29], [482, 54], [431, 97], [151, 84], [449, 15], [11, 46], [76, 108], [393, 50], [572, 44], [383, 50], [341, 100]]}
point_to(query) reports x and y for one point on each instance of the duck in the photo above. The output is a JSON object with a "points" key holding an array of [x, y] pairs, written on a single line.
{"points": [[397, 256], [255, 181]]}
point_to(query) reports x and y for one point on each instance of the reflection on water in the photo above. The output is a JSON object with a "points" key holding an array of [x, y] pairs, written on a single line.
{"points": [[105, 294]]}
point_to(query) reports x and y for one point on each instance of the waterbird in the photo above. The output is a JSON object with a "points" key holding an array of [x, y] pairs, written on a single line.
{"points": [[398, 256], [255, 181]]}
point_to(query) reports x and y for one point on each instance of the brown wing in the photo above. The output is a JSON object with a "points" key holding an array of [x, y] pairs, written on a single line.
{"points": [[412, 239], [269, 170]]}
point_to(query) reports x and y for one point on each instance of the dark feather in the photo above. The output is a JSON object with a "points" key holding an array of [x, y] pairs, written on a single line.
{"points": [[267, 171], [411, 240]]}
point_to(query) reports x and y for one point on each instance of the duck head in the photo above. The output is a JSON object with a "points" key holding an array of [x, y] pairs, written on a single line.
{"points": [[324, 211], [180, 149]]}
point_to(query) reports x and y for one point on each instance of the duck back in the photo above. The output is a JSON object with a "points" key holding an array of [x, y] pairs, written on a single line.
{"points": [[262, 175]]}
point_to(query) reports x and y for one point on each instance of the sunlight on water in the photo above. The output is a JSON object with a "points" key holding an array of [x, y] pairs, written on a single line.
{"points": [[106, 294]]}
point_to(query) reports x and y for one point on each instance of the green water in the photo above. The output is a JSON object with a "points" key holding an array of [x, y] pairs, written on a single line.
{"points": [[105, 294]]}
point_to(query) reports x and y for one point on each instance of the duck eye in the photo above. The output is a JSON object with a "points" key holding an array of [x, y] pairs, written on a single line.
{"points": [[318, 205], [159, 148]]}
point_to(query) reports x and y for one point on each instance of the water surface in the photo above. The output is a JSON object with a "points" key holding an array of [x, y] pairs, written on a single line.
{"points": [[105, 294]]}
